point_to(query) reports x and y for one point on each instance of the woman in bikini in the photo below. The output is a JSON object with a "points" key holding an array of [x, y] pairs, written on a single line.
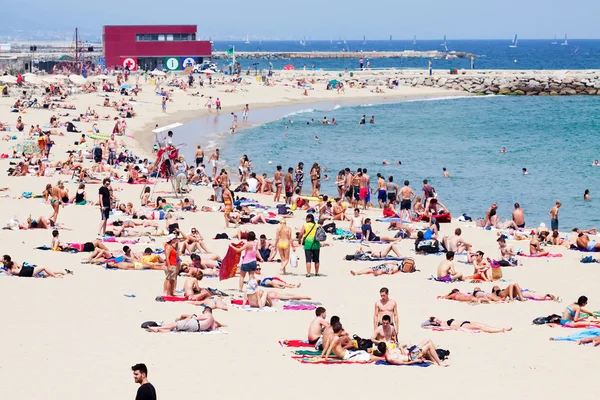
{"points": [[456, 295], [283, 241], [31, 271], [573, 316], [340, 180], [339, 213], [511, 292], [276, 283], [453, 324], [228, 201], [51, 195], [315, 179]]}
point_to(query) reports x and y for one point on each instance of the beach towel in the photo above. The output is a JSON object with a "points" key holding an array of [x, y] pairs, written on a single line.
{"points": [[584, 334], [215, 332], [435, 278], [255, 309], [573, 247], [230, 262], [295, 343], [307, 353], [299, 307], [329, 361], [549, 255], [448, 328], [170, 299], [423, 364]]}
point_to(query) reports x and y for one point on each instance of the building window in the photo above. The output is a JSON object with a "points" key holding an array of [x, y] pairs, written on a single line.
{"points": [[165, 37], [170, 37]]}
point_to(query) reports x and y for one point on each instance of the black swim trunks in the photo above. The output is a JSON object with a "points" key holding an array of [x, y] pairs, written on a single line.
{"points": [[391, 197], [26, 272], [88, 247], [405, 205]]}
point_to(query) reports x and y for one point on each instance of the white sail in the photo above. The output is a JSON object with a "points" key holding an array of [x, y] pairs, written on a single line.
{"points": [[566, 42], [514, 42]]}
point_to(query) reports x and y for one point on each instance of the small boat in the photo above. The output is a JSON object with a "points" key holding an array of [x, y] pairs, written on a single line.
{"points": [[247, 41], [415, 40], [514, 42], [566, 42], [554, 41], [364, 40]]}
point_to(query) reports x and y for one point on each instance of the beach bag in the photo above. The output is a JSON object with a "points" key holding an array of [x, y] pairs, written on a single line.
{"points": [[363, 344], [540, 321], [407, 265], [294, 260], [330, 228], [320, 235], [282, 209], [428, 246]]}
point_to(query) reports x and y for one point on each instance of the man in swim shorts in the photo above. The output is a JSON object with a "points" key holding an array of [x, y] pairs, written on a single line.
{"points": [[446, 271], [334, 345], [406, 196], [518, 216], [585, 243], [204, 322], [385, 332], [381, 191]]}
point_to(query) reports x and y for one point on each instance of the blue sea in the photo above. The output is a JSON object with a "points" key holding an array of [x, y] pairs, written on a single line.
{"points": [[490, 54], [555, 138]]}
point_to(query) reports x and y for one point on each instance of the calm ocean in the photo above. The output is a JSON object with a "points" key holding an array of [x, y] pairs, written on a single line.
{"points": [[555, 138], [491, 54]]}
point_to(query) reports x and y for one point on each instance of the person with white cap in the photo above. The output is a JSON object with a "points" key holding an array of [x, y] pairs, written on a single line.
{"points": [[171, 267]]}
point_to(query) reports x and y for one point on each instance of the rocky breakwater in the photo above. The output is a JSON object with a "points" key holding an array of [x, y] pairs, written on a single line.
{"points": [[559, 83]]}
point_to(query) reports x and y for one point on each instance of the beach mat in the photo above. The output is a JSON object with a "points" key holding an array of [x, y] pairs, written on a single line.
{"points": [[329, 361], [447, 328], [423, 364], [299, 307], [550, 255], [295, 343], [230, 262], [307, 353], [170, 299]]}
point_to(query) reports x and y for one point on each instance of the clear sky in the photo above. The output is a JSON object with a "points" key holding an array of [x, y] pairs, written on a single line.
{"points": [[322, 19]]}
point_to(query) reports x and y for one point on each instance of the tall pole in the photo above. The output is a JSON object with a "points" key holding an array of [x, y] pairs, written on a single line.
{"points": [[233, 56], [76, 49]]}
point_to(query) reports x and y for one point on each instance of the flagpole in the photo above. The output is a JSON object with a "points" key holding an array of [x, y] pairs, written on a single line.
{"points": [[233, 47]]}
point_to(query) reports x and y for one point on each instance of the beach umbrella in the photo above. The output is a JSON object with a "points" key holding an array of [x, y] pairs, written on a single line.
{"points": [[333, 82], [8, 79], [32, 79], [288, 67], [157, 73], [126, 86], [77, 80]]}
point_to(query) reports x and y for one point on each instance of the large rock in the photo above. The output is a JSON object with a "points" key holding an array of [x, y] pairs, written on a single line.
{"points": [[457, 87], [544, 94], [533, 82], [442, 81], [567, 92], [504, 90], [567, 80], [591, 91], [488, 81]]}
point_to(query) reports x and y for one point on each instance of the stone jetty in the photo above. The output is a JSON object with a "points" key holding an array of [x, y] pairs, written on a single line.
{"points": [[509, 82]]}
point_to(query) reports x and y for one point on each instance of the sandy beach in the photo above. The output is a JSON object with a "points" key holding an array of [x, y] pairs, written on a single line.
{"points": [[77, 337]]}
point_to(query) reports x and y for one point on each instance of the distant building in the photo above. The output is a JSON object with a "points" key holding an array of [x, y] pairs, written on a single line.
{"points": [[171, 47]]}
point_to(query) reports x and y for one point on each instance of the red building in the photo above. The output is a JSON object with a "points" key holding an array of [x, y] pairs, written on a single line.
{"points": [[147, 47]]}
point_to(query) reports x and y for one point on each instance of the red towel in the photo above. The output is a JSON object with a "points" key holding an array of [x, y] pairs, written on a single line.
{"points": [[173, 298], [295, 343], [237, 302], [230, 262]]}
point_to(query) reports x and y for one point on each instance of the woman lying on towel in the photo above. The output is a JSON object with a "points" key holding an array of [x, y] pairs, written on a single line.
{"points": [[369, 253], [573, 316], [388, 268], [276, 283], [453, 324], [258, 298], [456, 295]]}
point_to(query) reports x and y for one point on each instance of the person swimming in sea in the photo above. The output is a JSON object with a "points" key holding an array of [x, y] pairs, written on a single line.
{"points": [[586, 194], [525, 171]]}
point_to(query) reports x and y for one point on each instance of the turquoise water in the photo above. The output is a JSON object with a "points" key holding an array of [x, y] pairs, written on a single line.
{"points": [[555, 138]]}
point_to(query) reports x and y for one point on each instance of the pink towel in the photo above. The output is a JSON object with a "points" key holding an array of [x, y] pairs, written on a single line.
{"points": [[301, 307], [547, 255]]}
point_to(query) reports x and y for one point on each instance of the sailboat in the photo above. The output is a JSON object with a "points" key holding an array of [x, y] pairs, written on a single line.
{"points": [[415, 40], [554, 41], [514, 42], [303, 42], [247, 41], [444, 44], [364, 40], [566, 42]]}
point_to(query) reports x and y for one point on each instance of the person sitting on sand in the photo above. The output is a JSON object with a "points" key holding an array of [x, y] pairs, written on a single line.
{"points": [[511, 292], [456, 295], [483, 270], [575, 316], [194, 242], [317, 325], [204, 322], [258, 298], [356, 222], [535, 248], [369, 236], [426, 350], [209, 265], [495, 222], [446, 271], [388, 268], [507, 254], [29, 271], [386, 332], [586, 244], [333, 345], [453, 324], [276, 283], [192, 289], [456, 243]]}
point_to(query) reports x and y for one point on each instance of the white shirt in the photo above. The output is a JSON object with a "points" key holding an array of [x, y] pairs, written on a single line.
{"points": [[252, 184]]}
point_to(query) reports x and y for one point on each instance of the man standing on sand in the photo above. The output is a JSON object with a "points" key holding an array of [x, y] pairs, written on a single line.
{"points": [[554, 216], [518, 216], [245, 112], [104, 203], [385, 306], [406, 197], [348, 189], [146, 390], [381, 191], [428, 191], [368, 184], [362, 188], [288, 184]]}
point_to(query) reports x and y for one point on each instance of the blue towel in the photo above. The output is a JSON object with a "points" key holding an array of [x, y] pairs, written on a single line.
{"points": [[423, 364], [584, 334]]}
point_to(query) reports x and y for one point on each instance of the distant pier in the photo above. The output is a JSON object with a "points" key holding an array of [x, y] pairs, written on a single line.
{"points": [[433, 54]]}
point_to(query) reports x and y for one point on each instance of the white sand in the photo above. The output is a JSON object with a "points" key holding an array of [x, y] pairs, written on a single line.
{"points": [[77, 337]]}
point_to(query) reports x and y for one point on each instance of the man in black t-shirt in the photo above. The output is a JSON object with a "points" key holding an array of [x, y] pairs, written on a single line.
{"points": [[146, 390], [104, 202]]}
